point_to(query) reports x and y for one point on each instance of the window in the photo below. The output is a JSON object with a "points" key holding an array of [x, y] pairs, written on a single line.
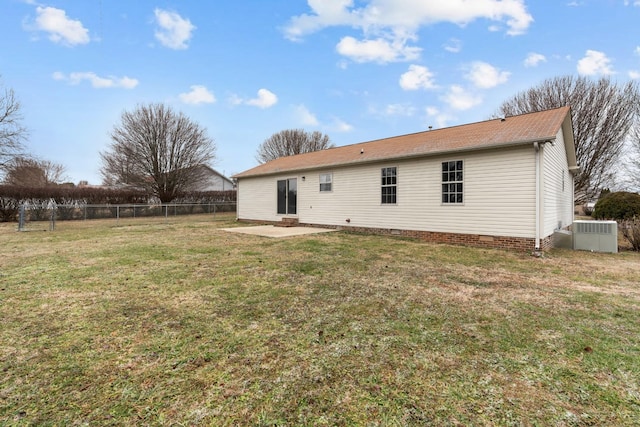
{"points": [[287, 196], [326, 179], [452, 180], [389, 181]]}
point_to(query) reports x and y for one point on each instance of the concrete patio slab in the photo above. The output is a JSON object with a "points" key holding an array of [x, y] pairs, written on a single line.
{"points": [[272, 231]]}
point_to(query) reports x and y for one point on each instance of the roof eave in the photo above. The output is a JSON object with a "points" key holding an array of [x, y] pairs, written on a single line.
{"points": [[402, 157]]}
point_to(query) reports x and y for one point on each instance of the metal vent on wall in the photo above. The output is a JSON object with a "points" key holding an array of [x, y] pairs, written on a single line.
{"points": [[596, 236], [594, 227]]}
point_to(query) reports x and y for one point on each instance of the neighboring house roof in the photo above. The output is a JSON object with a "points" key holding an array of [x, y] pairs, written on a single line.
{"points": [[496, 133], [210, 180], [215, 172]]}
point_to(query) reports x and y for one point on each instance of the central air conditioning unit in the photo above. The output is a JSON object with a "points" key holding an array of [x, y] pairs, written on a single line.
{"points": [[595, 236]]}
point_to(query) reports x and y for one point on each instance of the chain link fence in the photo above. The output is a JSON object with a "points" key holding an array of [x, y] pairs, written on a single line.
{"points": [[52, 212]]}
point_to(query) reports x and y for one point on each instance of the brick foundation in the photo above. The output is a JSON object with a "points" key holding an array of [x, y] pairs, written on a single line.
{"points": [[477, 240], [287, 222]]}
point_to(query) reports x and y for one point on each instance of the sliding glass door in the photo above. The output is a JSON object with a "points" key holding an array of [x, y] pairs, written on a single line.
{"points": [[287, 196]]}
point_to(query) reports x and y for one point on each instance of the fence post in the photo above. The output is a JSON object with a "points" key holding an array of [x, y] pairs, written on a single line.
{"points": [[52, 222], [21, 218]]}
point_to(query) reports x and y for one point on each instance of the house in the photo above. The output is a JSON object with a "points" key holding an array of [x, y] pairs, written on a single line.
{"points": [[212, 180], [505, 183]]}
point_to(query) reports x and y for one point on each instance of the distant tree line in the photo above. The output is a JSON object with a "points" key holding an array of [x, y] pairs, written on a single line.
{"points": [[159, 150], [13, 196]]}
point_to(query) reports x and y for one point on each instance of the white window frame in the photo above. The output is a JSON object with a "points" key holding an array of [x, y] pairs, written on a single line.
{"points": [[326, 179], [452, 188], [386, 185]]}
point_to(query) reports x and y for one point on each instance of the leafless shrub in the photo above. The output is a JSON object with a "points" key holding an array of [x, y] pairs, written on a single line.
{"points": [[630, 229], [31, 172]]}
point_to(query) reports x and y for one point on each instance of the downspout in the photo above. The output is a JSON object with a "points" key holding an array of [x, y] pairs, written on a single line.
{"points": [[237, 201], [536, 147]]}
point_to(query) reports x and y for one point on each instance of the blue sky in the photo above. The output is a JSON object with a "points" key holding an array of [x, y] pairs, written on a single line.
{"points": [[356, 70]]}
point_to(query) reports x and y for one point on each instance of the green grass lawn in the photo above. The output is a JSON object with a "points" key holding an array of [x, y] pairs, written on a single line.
{"points": [[175, 322]]}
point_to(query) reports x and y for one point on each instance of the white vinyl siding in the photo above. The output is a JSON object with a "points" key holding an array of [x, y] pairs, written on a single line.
{"points": [[499, 189], [557, 202], [258, 198]]}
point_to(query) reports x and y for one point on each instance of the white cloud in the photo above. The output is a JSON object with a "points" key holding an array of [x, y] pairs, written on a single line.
{"points": [[390, 110], [388, 25], [637, 51], [305, 116], [454, 46], [265, 99], [533, 59], [198, 95], [441, 119], [378, 50], [97, 81], [432, 111], [418, 77], [173, 30], [339, 125], [235, 100], [406, 16], [400, 110], [486, 76], [61, 29], [634, 3], [459, 99], [326, 13], [594, 63]]}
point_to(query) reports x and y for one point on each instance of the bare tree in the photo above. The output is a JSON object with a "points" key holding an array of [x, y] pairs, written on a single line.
{"points": [[290, 142], [28, 172], [602, 113], [633, 159], [157, 150], [12, 133]]}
